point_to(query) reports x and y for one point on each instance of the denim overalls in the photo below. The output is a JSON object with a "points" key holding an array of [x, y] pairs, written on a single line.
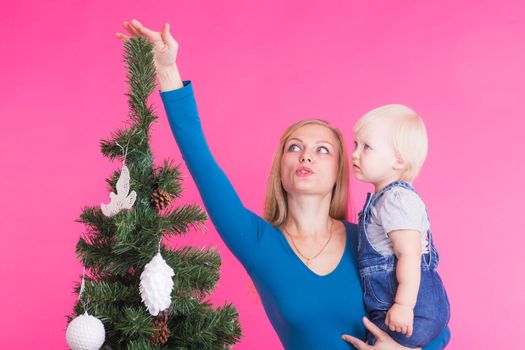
{"points": [[378, 278]]}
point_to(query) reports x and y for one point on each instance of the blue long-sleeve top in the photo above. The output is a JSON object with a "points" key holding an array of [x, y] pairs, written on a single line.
{"points": [[308, 311]]}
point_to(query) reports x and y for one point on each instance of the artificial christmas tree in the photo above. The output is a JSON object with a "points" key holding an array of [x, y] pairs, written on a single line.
{"points": [[162, 306]]}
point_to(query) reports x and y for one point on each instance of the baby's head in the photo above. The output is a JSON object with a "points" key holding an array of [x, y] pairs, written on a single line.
{"points": [[390, 144]]}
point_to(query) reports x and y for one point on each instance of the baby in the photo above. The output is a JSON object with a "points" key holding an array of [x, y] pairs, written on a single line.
{"points": [[402, 292]]}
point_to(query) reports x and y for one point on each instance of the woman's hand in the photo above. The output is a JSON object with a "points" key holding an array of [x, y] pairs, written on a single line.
{"points": [[165, 50], [383, 340], [164, 45]]}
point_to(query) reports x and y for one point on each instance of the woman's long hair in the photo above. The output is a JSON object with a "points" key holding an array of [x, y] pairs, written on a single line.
{"points": [[276, 203]]}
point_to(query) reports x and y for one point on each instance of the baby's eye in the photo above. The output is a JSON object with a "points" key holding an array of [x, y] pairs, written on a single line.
{"points": [[355, 144], [323, 150], [293, 148], [367, 146]]}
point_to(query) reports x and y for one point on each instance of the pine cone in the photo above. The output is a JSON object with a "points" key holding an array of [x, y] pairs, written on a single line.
{"points": [[161, 334], [163, 315], [161, 199]]}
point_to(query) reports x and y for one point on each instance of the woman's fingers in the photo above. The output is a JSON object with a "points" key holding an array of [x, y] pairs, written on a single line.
{"points": [[165, 32], [166, 35], [131, 29], [358, 343], [145, 32], [122, 36], [375, 330]]}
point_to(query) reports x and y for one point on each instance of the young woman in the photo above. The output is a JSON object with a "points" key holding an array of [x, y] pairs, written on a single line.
{"points": [[302, 255]]}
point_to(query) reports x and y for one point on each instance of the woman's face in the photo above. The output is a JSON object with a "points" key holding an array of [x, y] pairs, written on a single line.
{"points": [[310, 161]]}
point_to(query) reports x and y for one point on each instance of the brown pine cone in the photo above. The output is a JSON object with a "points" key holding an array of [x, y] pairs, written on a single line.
{"points": [[161, 334], [163, 315], [161, 199]]}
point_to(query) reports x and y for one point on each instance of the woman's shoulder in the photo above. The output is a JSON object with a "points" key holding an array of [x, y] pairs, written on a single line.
{"points": [[350, 226]]}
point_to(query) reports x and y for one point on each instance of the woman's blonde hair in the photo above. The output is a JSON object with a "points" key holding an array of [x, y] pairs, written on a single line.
{"points": [[276, 204], [409, 135]]}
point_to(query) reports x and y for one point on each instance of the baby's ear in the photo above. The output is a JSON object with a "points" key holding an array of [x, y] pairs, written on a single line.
{"points": [[399, 164]]}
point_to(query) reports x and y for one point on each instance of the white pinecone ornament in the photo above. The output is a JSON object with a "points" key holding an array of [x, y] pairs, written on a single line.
{"points": [[156, 284], [85, 332]]}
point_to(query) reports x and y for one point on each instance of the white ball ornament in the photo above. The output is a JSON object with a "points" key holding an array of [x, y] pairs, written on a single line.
{"points": [[85, 332], [156, 284]]}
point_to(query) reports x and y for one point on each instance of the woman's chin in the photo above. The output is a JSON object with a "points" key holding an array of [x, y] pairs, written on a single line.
{"points": [[308, 189]]}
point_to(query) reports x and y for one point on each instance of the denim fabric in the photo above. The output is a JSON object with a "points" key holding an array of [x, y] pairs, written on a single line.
{"points": [[378, 277]]}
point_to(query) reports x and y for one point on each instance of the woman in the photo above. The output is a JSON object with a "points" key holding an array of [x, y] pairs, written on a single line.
{"points": [[301, 257]]}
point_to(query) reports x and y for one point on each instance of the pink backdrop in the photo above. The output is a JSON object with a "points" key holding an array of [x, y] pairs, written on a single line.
{"points": [[258, 66]]}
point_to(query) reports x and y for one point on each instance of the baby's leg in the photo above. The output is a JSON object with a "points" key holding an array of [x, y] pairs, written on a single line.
{"points": [[431, 313], [419, 336]]}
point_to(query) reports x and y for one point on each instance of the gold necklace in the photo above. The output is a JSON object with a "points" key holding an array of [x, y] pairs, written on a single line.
{"points": [[316, 255]]}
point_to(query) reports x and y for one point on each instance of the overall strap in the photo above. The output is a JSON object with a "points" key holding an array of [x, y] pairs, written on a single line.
{"points": [[406, 185]]}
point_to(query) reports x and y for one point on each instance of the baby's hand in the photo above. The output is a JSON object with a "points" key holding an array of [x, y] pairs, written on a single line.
{"points": [[400, 318]]}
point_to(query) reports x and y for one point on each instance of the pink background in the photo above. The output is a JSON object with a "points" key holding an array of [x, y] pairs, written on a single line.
{"points": [[257, 67]]}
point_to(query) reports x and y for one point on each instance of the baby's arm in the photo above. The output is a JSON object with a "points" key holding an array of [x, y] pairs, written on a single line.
{"points": [[407, 249]]}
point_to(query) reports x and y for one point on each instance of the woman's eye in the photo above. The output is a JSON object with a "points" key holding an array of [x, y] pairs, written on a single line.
{"points": [[293, 148], [323, 150]]}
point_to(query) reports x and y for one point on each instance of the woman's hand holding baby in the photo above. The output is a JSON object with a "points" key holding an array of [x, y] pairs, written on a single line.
{"points": [[383, 340]]}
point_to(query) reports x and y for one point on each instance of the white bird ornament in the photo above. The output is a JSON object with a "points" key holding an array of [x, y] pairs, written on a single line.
{"points": [[122, 199]]}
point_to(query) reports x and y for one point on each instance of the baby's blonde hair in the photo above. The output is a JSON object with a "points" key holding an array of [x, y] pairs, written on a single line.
{"points": [[409, 135]]}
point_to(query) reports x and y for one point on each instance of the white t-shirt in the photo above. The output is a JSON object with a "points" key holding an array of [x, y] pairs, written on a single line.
{"points": [[397, 209]]}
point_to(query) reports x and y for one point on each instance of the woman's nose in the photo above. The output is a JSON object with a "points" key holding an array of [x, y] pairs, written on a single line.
{"points": [[305, 157]]}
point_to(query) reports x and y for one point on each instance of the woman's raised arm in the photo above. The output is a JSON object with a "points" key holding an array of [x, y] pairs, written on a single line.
{"points": [[240, 228]]}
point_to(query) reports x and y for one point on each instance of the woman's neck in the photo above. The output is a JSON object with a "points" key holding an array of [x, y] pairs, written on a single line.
{"points": [[308, 215]]}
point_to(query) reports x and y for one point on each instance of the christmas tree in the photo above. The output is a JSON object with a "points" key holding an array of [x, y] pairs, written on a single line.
{"points": [[146, 295]]}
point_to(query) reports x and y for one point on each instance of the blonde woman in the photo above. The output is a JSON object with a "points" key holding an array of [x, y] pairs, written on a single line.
{"points": [[302, 255]]}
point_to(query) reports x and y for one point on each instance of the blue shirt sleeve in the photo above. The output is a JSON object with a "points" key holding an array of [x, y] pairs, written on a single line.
{"points": [[440, 342], [240, 228]]}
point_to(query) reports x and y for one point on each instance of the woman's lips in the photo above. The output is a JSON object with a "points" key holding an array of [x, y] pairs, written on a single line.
{"points": [[303, 172]]}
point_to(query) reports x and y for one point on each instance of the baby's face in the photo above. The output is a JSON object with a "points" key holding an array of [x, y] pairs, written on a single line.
{"points": [[374, 159]]}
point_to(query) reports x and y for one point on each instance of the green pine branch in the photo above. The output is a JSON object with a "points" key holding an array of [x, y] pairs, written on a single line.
{"points": [[206, 329], [169, 178], [197, 270], [180, 220]]}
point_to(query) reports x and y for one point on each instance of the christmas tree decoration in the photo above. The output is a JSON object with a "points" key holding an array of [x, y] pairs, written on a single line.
{"points": [[161, 199], [85, 332], [113, 246], [161, 334], [156, 284], [122, 199], [163, 315]]}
